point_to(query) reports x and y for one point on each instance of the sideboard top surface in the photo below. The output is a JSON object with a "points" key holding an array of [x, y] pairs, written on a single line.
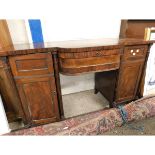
{"points": [[19, 49]]}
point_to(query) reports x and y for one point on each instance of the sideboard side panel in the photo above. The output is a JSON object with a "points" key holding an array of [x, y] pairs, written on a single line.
{"points": [[9, 92]]}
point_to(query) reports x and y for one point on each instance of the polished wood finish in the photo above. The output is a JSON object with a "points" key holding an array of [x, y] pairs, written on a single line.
{"points": [[71, 46], [88, 54], [130, 72], [34, 76], [8, 92], [128, 79], [31, 65], [105, 83], [80, 62], [5, 40], [116, 62], [58, 86], [135, 28], [134, 52]]}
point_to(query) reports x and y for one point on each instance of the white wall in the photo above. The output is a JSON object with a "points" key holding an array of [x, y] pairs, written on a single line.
{"points": [[4, 127], [18, 31], [150, 73], [72, 84], [70, 29]]}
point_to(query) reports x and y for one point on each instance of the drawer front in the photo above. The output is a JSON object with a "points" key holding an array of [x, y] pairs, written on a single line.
{"points": [[74, 63], [78, 55], [135, 52], [32, 64]]}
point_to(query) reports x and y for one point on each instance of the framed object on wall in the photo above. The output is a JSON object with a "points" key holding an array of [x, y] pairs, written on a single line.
{"points": [[149, 33], [149, 85]]}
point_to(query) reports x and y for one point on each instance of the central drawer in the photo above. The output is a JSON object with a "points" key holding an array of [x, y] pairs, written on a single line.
{"points": [[71, 63]]}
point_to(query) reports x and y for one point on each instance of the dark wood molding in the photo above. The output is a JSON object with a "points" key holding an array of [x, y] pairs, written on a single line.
{"points": [[33, 74]]}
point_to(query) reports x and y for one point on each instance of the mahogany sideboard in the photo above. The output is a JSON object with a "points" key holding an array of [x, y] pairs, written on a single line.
{"points": [[29, 74]]}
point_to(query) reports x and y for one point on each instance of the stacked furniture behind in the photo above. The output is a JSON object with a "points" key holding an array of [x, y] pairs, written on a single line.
{"points": [[135, 28]]}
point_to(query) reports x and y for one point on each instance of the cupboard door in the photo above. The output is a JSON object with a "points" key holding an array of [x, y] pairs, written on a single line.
{"points": [[34, 76], [129, 77], [39, 99]]}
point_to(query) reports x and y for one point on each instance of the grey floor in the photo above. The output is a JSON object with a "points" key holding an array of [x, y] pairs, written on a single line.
{"points": [[83, 102], [16, 125], [77, 104]]}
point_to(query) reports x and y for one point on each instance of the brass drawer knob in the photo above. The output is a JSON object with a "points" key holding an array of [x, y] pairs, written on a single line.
{"points": [[137, 50], [131, 51]]}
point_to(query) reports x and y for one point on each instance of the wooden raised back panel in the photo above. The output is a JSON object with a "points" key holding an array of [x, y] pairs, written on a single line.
{"points": [[135, 28], [5, 38]]}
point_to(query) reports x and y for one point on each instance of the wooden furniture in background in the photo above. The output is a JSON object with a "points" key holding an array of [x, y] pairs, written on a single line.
{"points": [[135, 28], [5, 38], [148, 32]]}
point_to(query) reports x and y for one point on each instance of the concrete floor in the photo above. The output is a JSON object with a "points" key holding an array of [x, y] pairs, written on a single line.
{"points": [[16, 125], [82, 103], [76, 104]]}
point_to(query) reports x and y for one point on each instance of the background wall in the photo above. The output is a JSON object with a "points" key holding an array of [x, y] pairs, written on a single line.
{"points": [[68, 29], [4, 126]]}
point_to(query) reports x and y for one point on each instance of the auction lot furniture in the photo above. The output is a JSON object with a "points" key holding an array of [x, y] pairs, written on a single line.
{"points": [[29, 75]]}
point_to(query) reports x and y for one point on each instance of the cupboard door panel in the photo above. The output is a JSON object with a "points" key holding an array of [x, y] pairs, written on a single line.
{"points": [[39, 103], [40, 99], [37, 89], [129, 76]]}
